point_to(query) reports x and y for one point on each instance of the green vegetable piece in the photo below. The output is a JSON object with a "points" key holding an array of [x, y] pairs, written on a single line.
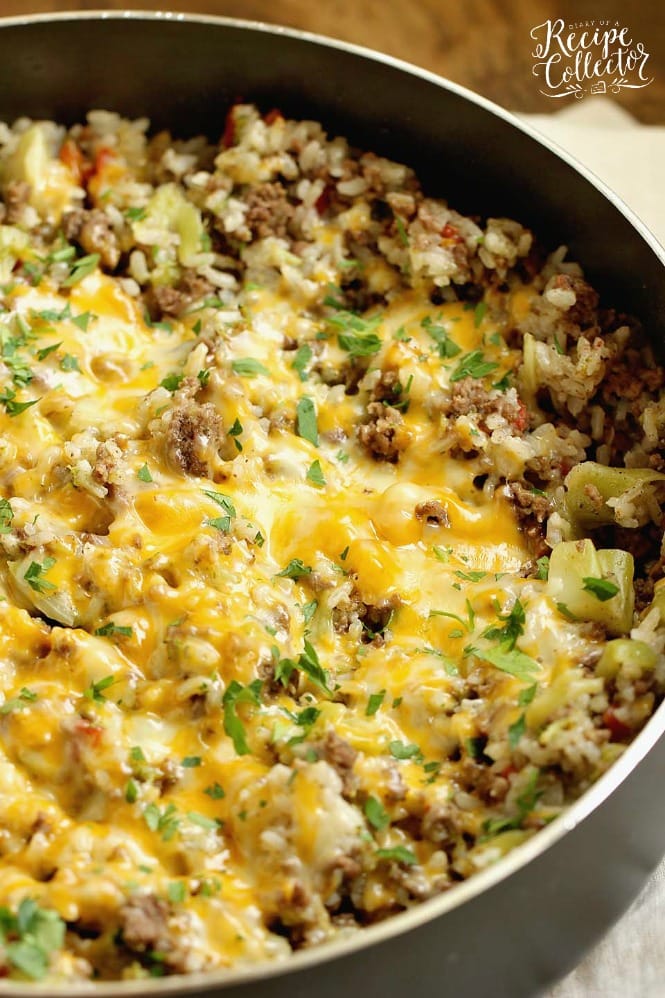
{"points": [[589, 486], [143, 474], [578, 572], [638, 656]]}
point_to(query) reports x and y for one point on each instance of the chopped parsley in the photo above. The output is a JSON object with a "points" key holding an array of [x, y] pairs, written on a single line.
{"points": [[359, 344], [176, 891], [96, 690], [131, 792], [512, 629], [404, 750], [135, 214], [471, 576], [45, 351], [12, 407], [516, 730], [248, 367], [301, 360], [6, 516], [296, 569], [34, 575], [111, 630], [29, 937], [203, 821], [602, 589], [171, 382], [82, 320], [83, 266], [315, 474], [24, 696], [512, 661], [191, 761], [543, 568], [222, 500], [306, 420], [308, 610], [479, 313], [165, 822], [143, 474], [376, 814], [526, 696], [235, 432], [445, 346], [473, 365], [398, 854], [215, 791], [308, 662], [236, 694]]}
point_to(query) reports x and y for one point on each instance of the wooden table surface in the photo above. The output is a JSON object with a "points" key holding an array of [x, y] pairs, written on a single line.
{"points": [[482, 44]]}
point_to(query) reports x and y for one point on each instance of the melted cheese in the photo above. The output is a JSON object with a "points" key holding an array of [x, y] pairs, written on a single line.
{"points": [[123, 737]]}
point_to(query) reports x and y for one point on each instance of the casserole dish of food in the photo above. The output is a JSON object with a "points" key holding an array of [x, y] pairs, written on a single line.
{"points": [[330, 523]]}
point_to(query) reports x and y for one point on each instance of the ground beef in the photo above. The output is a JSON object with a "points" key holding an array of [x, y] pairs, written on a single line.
{"points": [[628, 379], [532, 509], [584, 313], [144, 923], [481, 780], [341, 756], [177, 299], [268, 211], [441, 824], [93, 231], [469, 396], [529, 503], [433, 511], [384, 435], [374, 617], [16, 195], [388, 388], [194, 435]]}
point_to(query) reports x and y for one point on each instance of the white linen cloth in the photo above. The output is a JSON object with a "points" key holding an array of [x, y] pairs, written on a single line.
{"points": [[629, 962]]}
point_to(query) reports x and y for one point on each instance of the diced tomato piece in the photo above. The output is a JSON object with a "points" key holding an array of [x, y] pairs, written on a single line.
{"points": [[271, 117], [521, 421], [450, 232], [72, 157], [229, 133], [103, 158], [322, 203], [91, 732], [618, 730]]}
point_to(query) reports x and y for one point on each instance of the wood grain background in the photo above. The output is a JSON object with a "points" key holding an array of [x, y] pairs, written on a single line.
{"points": [[482, 44]]}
